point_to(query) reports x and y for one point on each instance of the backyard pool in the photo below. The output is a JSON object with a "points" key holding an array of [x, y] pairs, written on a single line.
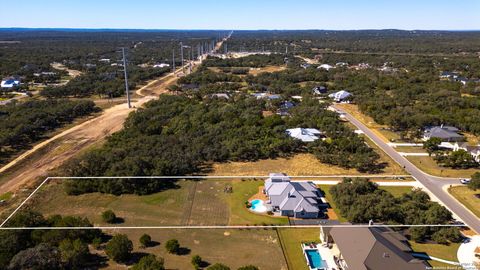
{"points": [[314, 259], [258, 206]]}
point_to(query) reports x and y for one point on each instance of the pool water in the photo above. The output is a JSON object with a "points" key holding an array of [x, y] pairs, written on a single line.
{"points": [[258, 206], [314, 258]]}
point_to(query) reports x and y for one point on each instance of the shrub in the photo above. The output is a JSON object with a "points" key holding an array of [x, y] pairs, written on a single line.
{"points": [[172, 246], [109, 216], [145, 240], [150, 262]]}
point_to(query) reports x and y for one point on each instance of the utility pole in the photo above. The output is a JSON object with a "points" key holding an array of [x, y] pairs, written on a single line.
{"points": [[181, 55], [173, 61], [126, 78]]}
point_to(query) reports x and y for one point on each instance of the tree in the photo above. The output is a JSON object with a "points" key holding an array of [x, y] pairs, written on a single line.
{"points": [[119, 248], [145, 240], [446, 235], [418, 234], [40, 257], [149, 262], [474, 182], [172, 246], [109, 216], [197, 261], [431, 145], [218, 266], [73, 253], [248, 267]]}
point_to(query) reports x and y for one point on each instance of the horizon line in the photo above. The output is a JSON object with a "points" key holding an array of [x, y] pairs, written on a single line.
{"points": [[226, 29]]}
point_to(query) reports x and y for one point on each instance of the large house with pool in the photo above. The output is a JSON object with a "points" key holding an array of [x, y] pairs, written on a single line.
{"points": [[292, 199]]}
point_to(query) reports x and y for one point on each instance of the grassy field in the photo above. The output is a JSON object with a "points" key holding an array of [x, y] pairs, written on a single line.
{"points": [[163, 208], [234, 248], [428, 165], [436, 250], [397, 191], [239, 214], [410, 149], [467, 197], [291, 240], [300, 164], [392, 166]]}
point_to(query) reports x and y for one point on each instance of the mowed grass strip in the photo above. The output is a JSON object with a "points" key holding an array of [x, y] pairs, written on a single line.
{"points": [[291, 240], [446, 252], [467, 197], [430, 166]]}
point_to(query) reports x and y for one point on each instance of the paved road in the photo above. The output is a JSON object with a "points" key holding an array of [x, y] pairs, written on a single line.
{"points": [[434, 184]]}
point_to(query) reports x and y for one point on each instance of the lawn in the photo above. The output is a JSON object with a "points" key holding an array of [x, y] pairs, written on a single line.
{"points": [[467, 197], [436, 250], [239, 214], [291, 240], [299, 164], [328, 196], [410, 149], [428, 165], [397, 191]]}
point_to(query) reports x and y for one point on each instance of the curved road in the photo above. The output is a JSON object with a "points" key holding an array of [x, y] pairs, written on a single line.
{"points": [[435, 185]]}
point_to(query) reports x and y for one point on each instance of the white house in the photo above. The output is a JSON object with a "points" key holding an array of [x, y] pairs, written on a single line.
{"points": [[305, 134], [161, 65], [327, 67], [472, 150], [9, 83], [340, 95]]}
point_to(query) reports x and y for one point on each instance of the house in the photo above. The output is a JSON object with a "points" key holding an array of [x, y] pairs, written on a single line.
{"points": [[220, 96], [305, 65], [340, 96], [472, 150], [104, 60], [161, 65], [341, 64], [318, 90], [285, 107], [462, 80], [305, 134], [9, 83], [448, 75], [445, 133], [371, 248], [292, 199], [327, 67], [266, 96]]}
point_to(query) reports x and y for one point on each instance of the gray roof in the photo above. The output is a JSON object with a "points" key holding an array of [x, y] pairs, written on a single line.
{"points": [[375, 249], [442, 132], [292, 196]]}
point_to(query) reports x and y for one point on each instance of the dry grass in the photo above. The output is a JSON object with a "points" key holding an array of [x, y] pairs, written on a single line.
{"points": [[234, 248], [467, 197], [410, 149], [300, 164], [428, 165], [270, 69]]}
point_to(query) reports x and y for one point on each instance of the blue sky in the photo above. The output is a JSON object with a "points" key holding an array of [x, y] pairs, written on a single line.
{"points": [[244, 14]]}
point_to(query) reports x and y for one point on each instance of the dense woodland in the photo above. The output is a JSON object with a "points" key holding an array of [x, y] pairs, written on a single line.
{"points": [[26, 123], [179, 136], [360, 201]]}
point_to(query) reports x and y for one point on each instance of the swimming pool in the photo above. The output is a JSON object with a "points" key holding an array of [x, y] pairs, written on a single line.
{"points": [[314, 259], [258, 206]]}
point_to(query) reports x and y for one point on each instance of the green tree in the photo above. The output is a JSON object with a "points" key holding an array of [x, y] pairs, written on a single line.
{"points": [[40, 257], [172, 246], [474, 182], [149, 262], [197, 261], [218, 266], [418, 234], [119, 248], [431, 145], [109, 216], [145, 240], [74, 253]]}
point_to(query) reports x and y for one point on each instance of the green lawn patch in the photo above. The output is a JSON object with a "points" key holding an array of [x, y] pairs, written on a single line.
{"points": [[446, 252], [291, 240], [467, 197], [6, 196]]}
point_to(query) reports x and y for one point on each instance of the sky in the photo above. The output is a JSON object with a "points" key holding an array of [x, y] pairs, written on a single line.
{"points": [[244, 14]]}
